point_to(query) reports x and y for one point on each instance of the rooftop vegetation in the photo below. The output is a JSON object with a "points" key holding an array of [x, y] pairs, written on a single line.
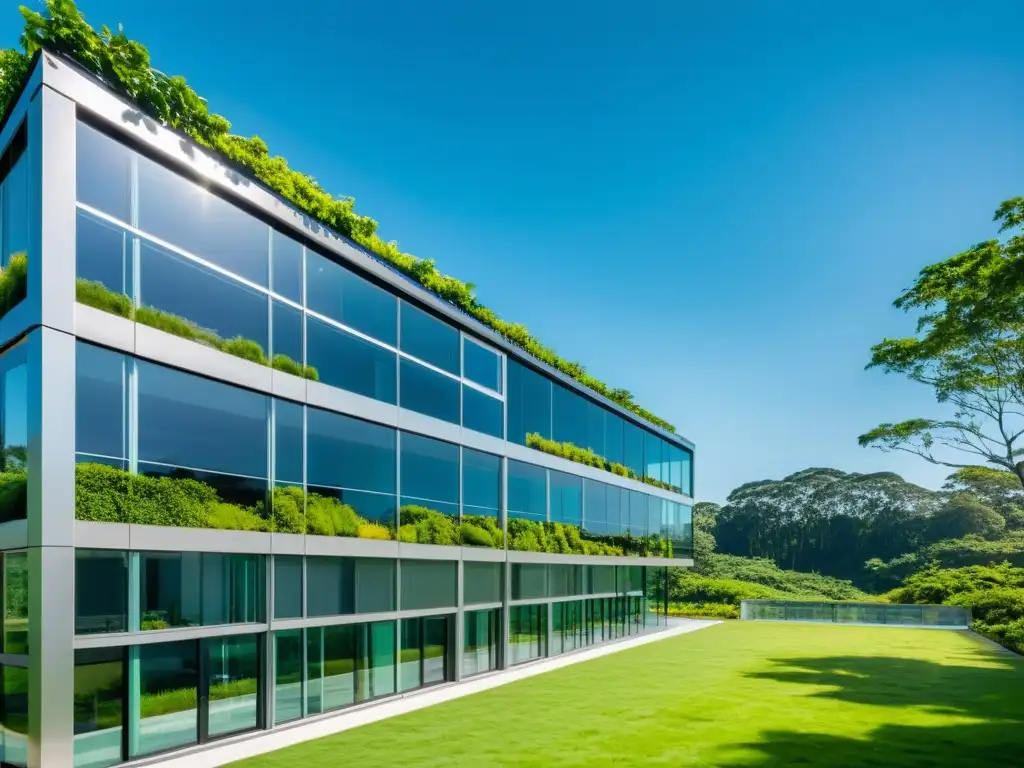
{"points": [[124, 65]]}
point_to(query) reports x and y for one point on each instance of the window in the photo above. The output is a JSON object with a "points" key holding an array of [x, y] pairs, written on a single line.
{"points": [[527, 632], [287, 587], [430, 490], [602, 579], [652, 456], [378, 660], [16, 199], [481, 582], [232, 683], [98, 706], [687, 473], [529, 580], [196, 220], [569, 417], [595, 508], [429, 392], [286, 266], [637, 514], [102, 253], [613, 430], [16, 616], [566, 498], [286, 333], [100, 406], [101, 591], [410, 670], [482, 413], [339, 586], [527, 491], [288, 441], [351, 462], [288, 680], [529, 403], [481, 499], [480, 640], [596, 428], [339, 672], [618, 510], [481, 365], [633, 447], [351, 363], [428, 339], [14, 715], [104, 172], [374, 585], [565, 580], [428, 584], [14, 433], [337, 293], [183, 589], [435, 649], [166, 667]]}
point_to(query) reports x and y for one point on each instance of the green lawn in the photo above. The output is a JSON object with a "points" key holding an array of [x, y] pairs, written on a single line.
{"points": [[738, 694]]}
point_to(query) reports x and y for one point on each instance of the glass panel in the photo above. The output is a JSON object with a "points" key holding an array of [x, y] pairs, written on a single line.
{"points": [[287, 587], [529, 580], [14, 716], [286, 349], [613, 448], [482, 413], [481, 490], [481, 365], [182, 297], [339, 683], [104, 172], [618, 510], [595, 429], [328, 586], [16, 622], [234, 683], [16, 199], [595, 508], [14, 433], [529, 403], [411, 667], [98, 703], [382, 674], [481, 582], [232, 589], [687, 474], [286, 260], [430, 490], [566, 498], [602, 579], [101, 591], [675, 465], [185, 214], [169, 589], [633, 447], [288, 669], [429, 339], [314, 670], [334, 291], [101, 256], [429, 392], [167, 715], [428, 584], [652, 456], [481, 630], [288, 442], [637, 514], [435, 649], [527, 491], [100, 405], [374, 585], [569, 417], [354, 364]]}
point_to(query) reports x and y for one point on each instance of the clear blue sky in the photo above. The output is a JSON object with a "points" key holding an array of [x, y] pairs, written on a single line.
{"points": [[711, 204]]}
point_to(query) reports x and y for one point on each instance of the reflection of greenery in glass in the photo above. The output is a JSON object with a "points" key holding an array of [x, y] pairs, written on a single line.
{"points": [[591, 459], [13, 282], [108, 494], [422, 525], [16, 602], [98, 296], [13, 493], [567, 539], [482, 531]]}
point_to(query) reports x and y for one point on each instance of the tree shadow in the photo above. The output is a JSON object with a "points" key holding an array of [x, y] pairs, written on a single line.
{"points": [[984, 685]]}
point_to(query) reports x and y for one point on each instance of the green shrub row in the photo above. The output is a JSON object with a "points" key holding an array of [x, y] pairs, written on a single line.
{"points": [[704, 610], [98, 296], [765, 572], [587, 456], [567, 539], [125, 66], [13, 281]]}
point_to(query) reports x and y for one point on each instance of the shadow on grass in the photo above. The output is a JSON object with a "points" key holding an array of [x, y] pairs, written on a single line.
{"points": [[984, 686]]}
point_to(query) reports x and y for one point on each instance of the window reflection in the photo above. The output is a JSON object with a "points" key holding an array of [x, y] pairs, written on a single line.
{"points": [[430, 491], [429, 392], [104, 172], [286, 273], [337, 293], [481, 365], [14, 433], [429, 339], [482, 413], [102, 253], [348, 362], [529, 403], [481, 500]]}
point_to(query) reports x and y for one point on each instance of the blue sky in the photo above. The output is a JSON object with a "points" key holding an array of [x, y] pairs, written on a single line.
{"points": [[711, 204]]}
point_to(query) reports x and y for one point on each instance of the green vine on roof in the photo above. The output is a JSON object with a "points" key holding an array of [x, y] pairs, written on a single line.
{"points": [[125, 65]]}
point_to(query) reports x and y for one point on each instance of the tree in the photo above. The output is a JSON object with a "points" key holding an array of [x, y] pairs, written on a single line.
{"points": [[705, 519], [969, 348], [964, 515], [995, 488]]}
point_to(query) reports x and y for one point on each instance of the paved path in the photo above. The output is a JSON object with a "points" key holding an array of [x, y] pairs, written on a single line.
{"points": [[224, 752]]}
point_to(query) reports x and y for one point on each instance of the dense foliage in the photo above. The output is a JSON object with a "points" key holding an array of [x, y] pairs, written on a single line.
{"points": [[768, 574], [13, 283], [566, 539], [591, 459], [948, 553], [124, 64]]}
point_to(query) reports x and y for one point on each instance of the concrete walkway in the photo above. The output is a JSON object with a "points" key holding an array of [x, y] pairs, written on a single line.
{"points": [[250, 745]]}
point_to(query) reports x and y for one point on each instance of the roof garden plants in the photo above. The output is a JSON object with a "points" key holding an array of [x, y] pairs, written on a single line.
{"points": [[124, 65], [13, 281]]}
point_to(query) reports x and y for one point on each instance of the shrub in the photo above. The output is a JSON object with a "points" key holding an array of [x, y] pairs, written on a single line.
{"points": [[101, 493], [13, 283], [373, 531], [247, 349], [13, 495], [937, 585], [432, 527], [97, 295], [591, 459], [407, 534], [765, 572], [475, 536], [286, 364], [704, 610], [235, 518], [289, 509]]}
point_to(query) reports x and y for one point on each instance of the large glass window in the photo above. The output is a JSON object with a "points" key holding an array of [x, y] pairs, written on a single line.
{"points": [[101, 591], [527, 632], [481, 365], [527, 491], [430, 490], [286, 266], [14, 434], [410, 669], [167, 713], [288, 670], [337, 293], [104, 172], [428, 584], [103, 255], [687, 473], [339, 683], [349, 362], [481, 582], [287, 587], [13, 716], [428, 392], [652, 456], [428, 339], [16, 608], [286, 345], [637, 514], [569, 417], [529, 581], [566, 498], [100, 406], [596, 429], [595, 508], [182, 589], [351, 469], [481, 499], [232, 680], [337, 586], [378, 663], [482, 412], [16, 199], [480, 641], [529, 403], [633, 447], [99, 706], [613, 429]]}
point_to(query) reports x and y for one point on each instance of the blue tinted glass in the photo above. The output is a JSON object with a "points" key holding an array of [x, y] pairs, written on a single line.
{"points": [[481, 365], [100, 253], [286, 258], [595, 428], [348, 453], [346, 361], [188, 421], [99, 401], [16, 199], [481, 480], [637, 513], [429, 392], [684, 528], [529, 403], [427, 338], [595, 507], [569, 417], [341, 295], [103, 173], [183, 213], [687, 473], [652, 456], [633, 447], [218, 304], [527, 491], [618, 509], [654, 507], [430, 469], [482, 412], [566, 498], [288, 442], [287, 331], [613, 450]]}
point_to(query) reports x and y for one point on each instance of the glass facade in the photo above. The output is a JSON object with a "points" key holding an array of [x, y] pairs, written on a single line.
{"points": [[481, 641], [14, 432]]}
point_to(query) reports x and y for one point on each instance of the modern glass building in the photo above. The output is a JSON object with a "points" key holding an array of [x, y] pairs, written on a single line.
{"points": [[253, 475]]}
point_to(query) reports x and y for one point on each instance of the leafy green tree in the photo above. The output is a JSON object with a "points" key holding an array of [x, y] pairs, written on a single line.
{"points": [[969, 349], [705, 519], [964, 515], [996, 488]]}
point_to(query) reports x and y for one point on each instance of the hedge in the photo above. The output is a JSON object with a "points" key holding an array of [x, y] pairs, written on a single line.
{"points": [[124, 65], [13, 282], [98, 296], [587, 456]]}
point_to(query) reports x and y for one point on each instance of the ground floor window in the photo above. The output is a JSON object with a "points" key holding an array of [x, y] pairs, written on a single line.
{"points": [[424, 659], [481, 638], [527, 632], [13, 715]]}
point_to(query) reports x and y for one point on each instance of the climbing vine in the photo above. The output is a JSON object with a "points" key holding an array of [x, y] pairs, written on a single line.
{"points": [[124, 64]]}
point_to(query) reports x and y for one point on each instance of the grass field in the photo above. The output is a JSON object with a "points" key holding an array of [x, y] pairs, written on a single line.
{"points": [[738, 694]]}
